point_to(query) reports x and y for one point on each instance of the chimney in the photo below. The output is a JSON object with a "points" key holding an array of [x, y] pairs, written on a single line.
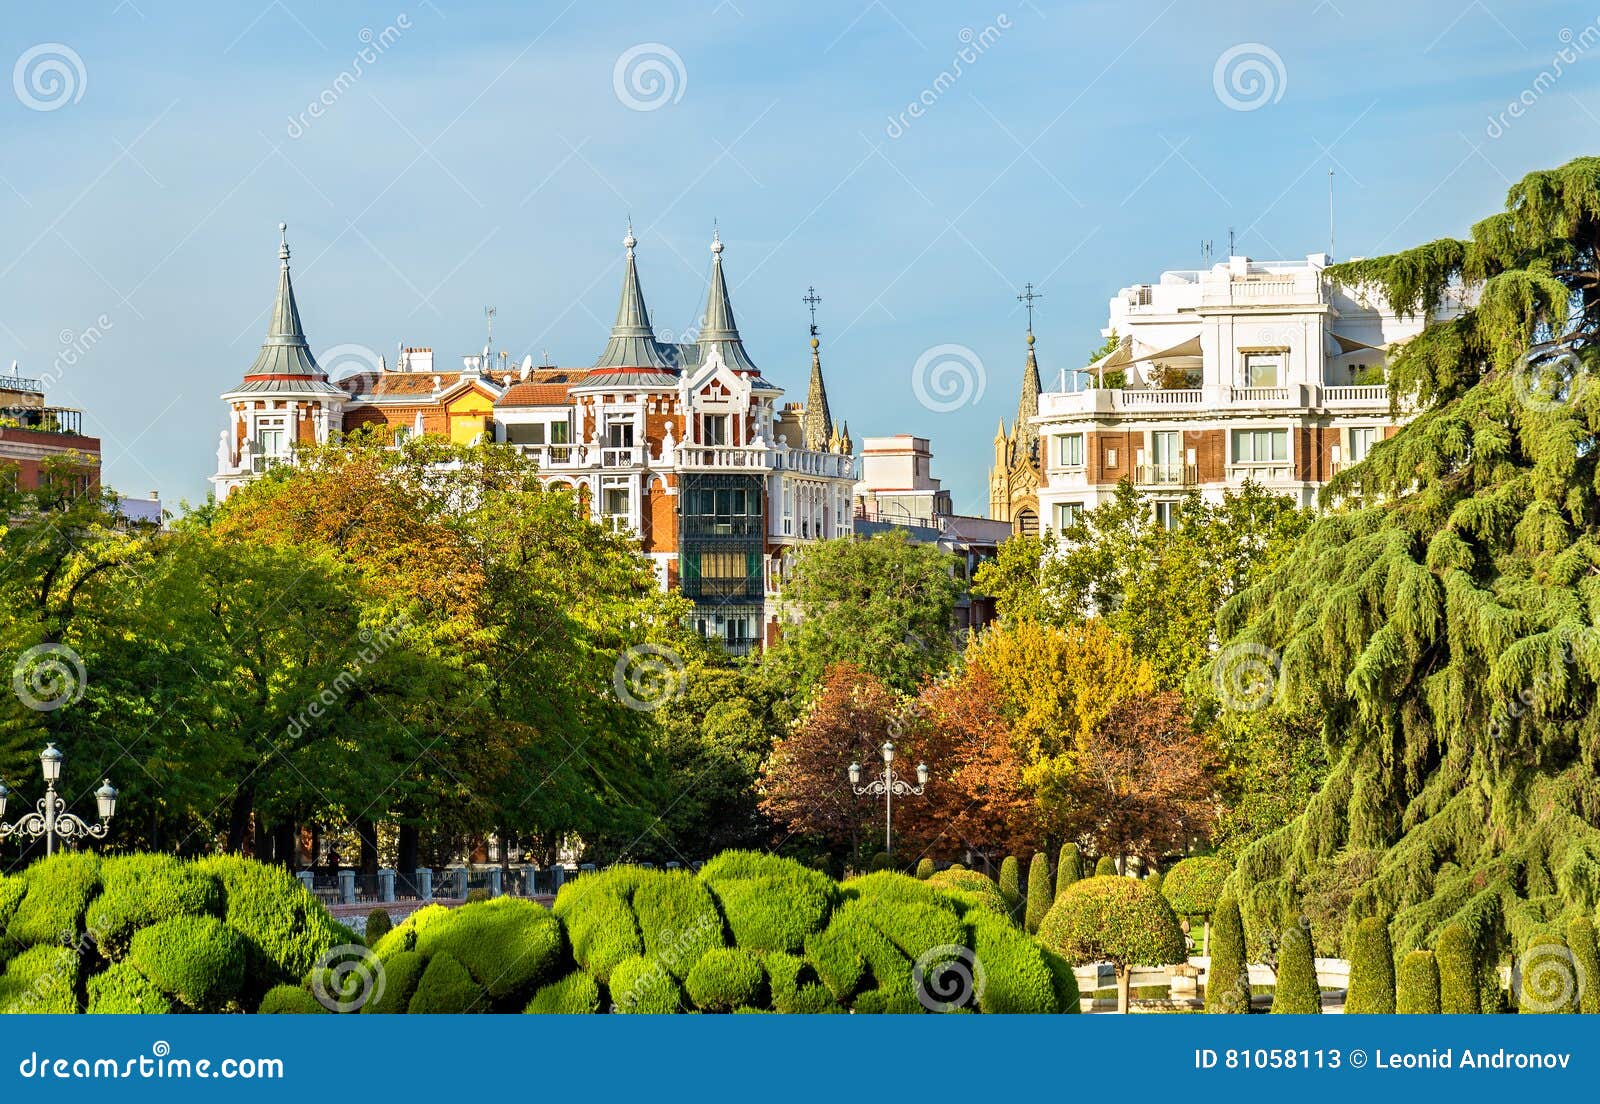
{"points": [[155, 496]]}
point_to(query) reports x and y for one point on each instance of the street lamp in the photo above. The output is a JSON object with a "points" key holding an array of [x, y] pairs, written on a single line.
{"points": [[890, 785], [51, 819]]}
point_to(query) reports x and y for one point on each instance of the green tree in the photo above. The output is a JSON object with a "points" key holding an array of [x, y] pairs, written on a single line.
{"points": [[1011, 882], [1069, 867], [1296, 990], [1118, 920], [1371, 969], [1586, 963], [1440, 619], [1228, 976], [882, 604], [1039, 896], [1457, 962], [1012, 578], [1417, 985]]}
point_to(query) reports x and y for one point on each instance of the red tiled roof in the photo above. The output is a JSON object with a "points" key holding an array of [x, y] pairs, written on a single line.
{"points": [[543, 388]]}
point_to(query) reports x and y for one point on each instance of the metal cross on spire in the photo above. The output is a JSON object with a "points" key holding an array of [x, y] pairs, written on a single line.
{"points": [[1028, 296], [811, 299]]}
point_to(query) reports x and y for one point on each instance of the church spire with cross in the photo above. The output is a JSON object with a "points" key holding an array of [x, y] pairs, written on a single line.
{"points": [[818, 424], [1025, 433]]}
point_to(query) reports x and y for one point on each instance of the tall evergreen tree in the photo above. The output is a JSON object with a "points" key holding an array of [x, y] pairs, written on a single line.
{"points": [[1441, 620], [1039, 897], [1069, 867]]}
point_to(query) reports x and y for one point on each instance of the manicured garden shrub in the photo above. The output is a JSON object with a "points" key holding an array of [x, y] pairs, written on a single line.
{"points": [[774, 912], [887, 968], [838, 964], [1228, 976], [404, 936], [1586, 957], [726, 978], [140, 890], [980, 888], [1194, 886], [796, 989], [1116, 920], [1063, 979], [1371, 969], [198, 960], [1457, 960], [288, 1000], [881, 861], [59, 889], [925, 869], [379, 924], [508, 945], [1105, 867], [678, 919], [285, 926], [120, 989], [447, 988], [1154, 878], [642, 985], [1040, 896], [577, 994], [401, 972], [1016, 977], [41, 980], [1296, 991], [1417, 991], [477, 896], [1011, 883], [603, 930], [12, 891], [1545, 977], [1069, 867]]}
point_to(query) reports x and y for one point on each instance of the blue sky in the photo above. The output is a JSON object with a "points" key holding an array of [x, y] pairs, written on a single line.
{"points": [[486, 156]]}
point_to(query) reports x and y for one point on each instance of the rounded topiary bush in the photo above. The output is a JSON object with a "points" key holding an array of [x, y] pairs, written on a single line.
{"points": [[980, 888], [1011, 882], [197, 960], [678, 919], [1105, 867], [1228, 975], [1017, 976], [1296, 991], [401, 972], [796, 988], [577, 994], [1194, 886], [1117, 920], [881, 861], [121, 989], [379, 924], [925, 869], [642, 985], [285, 926], [1417, 985], [445, 988], [770, 903], [41, 980], [1069, 867], [1586, 958], [58, 890], [139, 890], [1457, 960], [1040, 893], [508, 945], [726, 978], [289, 1000], [1371, 969]]}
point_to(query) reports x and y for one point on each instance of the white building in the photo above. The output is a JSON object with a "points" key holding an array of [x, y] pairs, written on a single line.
{"points": [[1250, 370]]}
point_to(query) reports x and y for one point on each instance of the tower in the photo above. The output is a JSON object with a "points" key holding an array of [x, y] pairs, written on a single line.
{"points": [[1015, 477]]}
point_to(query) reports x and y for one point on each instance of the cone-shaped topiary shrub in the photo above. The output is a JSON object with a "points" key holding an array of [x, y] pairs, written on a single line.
{"points": [[925, 869], [1296, 991], [574, 995], [1545, 979], [726, 978], [1417, 985], [1117, 920], [1457, 961], [1011, 882], [197, 960], [1105, 867], [1040, 897], [1371, 969], [379, 924], [1069, 867], [1586, 958], [1228, 976]]}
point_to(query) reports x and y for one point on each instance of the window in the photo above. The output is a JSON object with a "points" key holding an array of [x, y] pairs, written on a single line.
{"points": [[1166, 512], [1068, 515], [529, 434], [1071, 450], [1361, 442], [616, 502], [560, 433], [272, 442], [714, 429], [1260, 446], [1263, 369], [619, 435]]}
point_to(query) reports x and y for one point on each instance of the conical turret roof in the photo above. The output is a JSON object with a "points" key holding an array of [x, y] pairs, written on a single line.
{"points": [[285, 362], [718, 330], [633, 340]]}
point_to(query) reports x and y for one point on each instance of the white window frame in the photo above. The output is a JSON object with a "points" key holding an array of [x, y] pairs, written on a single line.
{"points": [[1070, 450]]}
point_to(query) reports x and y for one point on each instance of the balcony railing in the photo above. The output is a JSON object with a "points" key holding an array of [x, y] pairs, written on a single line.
{"points": [[625, 456], [21, 385], [49, 419], [1187, 396], [1366, 395], [1276, 472], [1260, 394], [552, 456], [1293, 396], [806, 462], [721, 457], [1167, 475]]}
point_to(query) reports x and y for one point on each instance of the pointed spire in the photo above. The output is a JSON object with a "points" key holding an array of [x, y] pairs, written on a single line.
{"points": [[1027, 434], [818, 424], [633, 341], [717, 328], [285, 352]]}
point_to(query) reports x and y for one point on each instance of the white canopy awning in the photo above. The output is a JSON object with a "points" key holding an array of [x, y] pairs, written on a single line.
{"points": [[1189, 348], [1351, 345]]}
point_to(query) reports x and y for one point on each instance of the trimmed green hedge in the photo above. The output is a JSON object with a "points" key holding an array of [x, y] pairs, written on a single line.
{"points": [[197, 960], [726, 978], [1228, 976], [59, 890], [678, 918], [509, 945], [1011, 883], [289, 1000], [446, 987], [1459, 985], [40, 980], [1069, 867], [1586, 957], [1546, 975], [1105, 867], [982, 889], [121, 989], [401, 972], [1296, 991], [140, 890], [1194, 886], [643, 986], [1040, 894], [796, 988], [1418, 985], [1371, 969], [576, 994], [286, 927], [925, 869], [1016, 977]]}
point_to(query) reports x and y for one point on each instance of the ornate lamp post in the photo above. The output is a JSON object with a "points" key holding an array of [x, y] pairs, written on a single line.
{"points": [[890, 785], [51, 819]]}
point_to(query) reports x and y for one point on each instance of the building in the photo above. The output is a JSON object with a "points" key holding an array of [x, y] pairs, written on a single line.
{"points": [[682, 445], [898, 490], [1015, 477], [32, 434], [1249, 370]]}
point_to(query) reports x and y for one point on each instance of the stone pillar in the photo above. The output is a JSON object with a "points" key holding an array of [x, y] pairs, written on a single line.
{"points": [[558, 877], [386, 885], [461, 882], [424, 879], [304, 878], [672, 866], [530, 875], [494, 881], [347, 887]]}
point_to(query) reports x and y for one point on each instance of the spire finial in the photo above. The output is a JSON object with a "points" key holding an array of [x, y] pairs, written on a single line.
{"points": [[1028, 296], [283, 248], [811, 299], [630, 241], [716, 239]]}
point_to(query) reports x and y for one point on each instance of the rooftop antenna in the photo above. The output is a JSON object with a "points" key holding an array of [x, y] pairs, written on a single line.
{"points": [[1231, 250], [488, 313], [1330, 214], [1028, 296], [811, 299], [1205, 250]]}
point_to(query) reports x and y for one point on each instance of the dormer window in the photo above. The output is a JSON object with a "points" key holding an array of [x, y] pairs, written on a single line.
{"points": [[714, 429], [1264, 369]]}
